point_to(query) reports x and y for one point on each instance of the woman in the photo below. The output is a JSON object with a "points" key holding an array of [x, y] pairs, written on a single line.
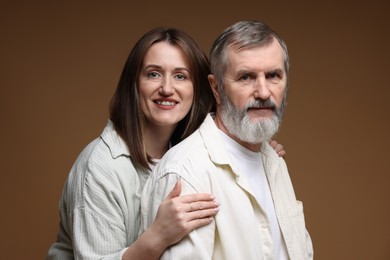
{"points": [[162, 97]]}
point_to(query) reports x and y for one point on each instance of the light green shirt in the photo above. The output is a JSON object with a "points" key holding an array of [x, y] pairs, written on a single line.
{"points": [[100, 203]]}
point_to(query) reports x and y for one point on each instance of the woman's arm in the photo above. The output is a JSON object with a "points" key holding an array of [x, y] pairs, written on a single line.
{"points": [[176, 218]]}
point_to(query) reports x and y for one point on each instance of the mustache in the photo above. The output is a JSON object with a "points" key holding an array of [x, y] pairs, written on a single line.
{"points": [[258, 103]]}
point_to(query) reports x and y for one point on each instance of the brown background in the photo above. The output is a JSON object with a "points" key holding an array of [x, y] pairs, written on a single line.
{"points": [[60, 64]]}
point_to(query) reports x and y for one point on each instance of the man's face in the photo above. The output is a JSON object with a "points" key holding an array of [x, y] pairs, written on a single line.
{"points": [[254, 89]]}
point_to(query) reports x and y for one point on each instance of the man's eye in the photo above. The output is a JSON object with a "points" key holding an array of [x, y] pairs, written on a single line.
{"points": [[273, 75], [153, 75], [245, 77]]}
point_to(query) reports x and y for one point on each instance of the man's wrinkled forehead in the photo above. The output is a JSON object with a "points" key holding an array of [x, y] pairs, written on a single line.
{"points": [[235, 50]]}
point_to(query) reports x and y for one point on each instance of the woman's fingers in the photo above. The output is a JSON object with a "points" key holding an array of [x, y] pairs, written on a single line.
{"points": [[281, 152], [175, 193], [200, 214], [196, 197], [273, 143], [197, 223], [278, 148], [188, 211], [200, 205]]}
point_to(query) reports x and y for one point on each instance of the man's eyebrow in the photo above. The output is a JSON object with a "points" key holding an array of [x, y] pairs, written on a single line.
{"points": [[279, 71], [244, 71]]}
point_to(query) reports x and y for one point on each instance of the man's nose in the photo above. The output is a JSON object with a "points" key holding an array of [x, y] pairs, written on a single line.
{"points": [[261, 88]]}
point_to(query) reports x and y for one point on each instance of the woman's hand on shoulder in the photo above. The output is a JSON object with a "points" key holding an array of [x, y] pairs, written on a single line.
{"points": [[278, 148], [178, 215]]}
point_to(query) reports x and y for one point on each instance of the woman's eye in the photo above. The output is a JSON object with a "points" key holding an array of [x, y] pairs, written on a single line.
{"points": [[180, 76], [153, 75]]}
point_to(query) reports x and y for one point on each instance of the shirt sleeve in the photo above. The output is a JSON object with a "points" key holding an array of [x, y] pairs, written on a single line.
{"points": [[96, 238], [97, 223], [199, 243], [309, 246]]}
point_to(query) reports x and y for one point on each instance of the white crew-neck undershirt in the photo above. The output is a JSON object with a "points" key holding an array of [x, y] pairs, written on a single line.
{"points": [[250, 165]]}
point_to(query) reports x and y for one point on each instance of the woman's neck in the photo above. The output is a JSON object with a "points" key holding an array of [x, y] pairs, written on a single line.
{"points": [[156, 140]]}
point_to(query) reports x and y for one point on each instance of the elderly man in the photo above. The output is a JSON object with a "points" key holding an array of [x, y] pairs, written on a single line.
{"points": [[229, 156]]}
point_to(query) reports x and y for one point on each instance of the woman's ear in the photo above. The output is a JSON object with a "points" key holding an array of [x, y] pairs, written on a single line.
{"points": [[214, 88]]}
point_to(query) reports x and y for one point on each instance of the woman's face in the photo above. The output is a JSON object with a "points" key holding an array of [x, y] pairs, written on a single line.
{"points": [[165, 85]]}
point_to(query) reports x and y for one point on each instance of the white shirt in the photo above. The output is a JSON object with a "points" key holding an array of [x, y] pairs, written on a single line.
{"points": [[250, 165], [241, 229]]}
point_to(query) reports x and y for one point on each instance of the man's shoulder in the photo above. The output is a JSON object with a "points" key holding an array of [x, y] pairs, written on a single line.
{"points": [[189, 147], [191, 144], [187, 161]]}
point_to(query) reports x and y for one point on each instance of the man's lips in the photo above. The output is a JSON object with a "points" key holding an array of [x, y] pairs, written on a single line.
{"points": [[263, 111], [261, 108]]}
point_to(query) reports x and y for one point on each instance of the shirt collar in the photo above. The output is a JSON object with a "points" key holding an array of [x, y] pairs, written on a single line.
{"points": [[114, 142], [213, 141], [271, 162], [218, 152]]}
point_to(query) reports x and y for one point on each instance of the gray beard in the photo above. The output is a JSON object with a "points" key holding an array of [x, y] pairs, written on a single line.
{"points": [[238, 123]]}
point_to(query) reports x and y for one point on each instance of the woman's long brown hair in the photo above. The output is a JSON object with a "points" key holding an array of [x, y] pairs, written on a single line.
{"points": [[125, 111]]}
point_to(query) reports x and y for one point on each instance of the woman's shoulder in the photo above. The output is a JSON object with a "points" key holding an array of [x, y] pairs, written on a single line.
{"points": [[104, 158]]}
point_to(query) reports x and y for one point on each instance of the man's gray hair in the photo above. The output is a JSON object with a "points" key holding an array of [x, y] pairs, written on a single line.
{"points": [[241, 35]]}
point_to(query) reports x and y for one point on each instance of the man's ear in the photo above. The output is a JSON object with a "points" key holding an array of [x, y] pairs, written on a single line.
{"points": [[214, 88]]}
